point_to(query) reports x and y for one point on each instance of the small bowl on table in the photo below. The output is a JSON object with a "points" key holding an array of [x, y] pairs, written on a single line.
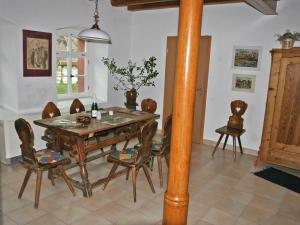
{"points": [[83, 119]]}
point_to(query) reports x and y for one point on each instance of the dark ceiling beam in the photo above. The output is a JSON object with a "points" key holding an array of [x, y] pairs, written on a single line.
{"points": [[150, 6], [145, 2], [267, 7]]}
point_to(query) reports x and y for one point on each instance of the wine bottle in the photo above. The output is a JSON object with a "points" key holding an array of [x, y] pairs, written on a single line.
{"points": [[94, 108]]}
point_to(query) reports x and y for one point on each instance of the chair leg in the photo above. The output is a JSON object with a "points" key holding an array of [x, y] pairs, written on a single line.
{"points": [[38, 188], [26, 178], [50, 176], [226, 138], [110, 175], [64, 175], [216, 147], [240, 144], [127, 173], [159, 164], [167, 159], [148, 178], [133, 172], [234, 147]]}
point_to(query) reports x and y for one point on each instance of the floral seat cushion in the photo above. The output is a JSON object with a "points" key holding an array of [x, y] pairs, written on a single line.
{"points": [[126, 155], [48, 156]]}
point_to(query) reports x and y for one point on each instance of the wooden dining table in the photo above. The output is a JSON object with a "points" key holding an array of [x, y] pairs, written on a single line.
{"points": [[80, 139]]}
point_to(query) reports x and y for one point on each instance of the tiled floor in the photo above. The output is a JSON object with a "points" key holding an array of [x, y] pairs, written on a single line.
{"points": [[221, 192]]}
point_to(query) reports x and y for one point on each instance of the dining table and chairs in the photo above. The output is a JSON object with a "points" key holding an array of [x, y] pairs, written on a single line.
{"points": [[74, 132]]}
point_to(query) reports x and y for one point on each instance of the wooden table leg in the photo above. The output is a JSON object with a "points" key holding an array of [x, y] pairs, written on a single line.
{"points": [[226, 138], [86, 185], [215, 149], [240, 144], [234, 147]]}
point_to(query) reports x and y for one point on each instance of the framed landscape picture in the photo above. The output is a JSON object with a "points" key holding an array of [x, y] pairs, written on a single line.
{"points": [[37, 53], [246, 57], [243, 82]]}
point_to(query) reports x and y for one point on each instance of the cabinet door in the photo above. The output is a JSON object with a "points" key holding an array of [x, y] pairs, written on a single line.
{"points": [[285, 135]]}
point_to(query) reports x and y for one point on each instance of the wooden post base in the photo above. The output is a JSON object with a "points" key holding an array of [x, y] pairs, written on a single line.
{"points": [[175, 210]]}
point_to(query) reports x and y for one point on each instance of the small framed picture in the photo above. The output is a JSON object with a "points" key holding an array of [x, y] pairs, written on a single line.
{"points": [[246, 57], [37, 53], [243, 82]]}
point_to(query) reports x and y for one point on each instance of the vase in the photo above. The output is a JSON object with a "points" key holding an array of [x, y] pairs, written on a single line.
{"points": [[131, 96], [287, 43]]}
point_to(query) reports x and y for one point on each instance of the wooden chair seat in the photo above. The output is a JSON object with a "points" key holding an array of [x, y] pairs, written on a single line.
{"points": [[229, 131]]}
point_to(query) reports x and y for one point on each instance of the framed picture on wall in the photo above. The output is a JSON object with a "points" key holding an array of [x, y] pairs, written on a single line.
{"points": [[243, 82], [246, 57], [37, 55]]}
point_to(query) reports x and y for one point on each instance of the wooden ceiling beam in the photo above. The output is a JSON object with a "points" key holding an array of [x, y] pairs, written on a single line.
{"points": [[152, 2], [267, 7], [150, 6]]}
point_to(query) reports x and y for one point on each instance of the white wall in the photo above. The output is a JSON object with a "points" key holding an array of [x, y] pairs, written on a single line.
{"points": [[229, 25], [32, 93]]}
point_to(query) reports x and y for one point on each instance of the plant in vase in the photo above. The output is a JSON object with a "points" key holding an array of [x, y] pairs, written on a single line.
{"points": [[132, 77], [288, 38]]}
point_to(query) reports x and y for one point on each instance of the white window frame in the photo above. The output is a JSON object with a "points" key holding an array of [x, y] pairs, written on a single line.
{"points": [[69, 55]]}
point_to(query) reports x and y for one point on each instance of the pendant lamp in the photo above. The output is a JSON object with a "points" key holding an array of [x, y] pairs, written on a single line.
{"points": [[94, 33]]}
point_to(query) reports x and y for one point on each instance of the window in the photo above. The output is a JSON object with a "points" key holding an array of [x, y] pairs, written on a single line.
{"points": [[71, 65]]}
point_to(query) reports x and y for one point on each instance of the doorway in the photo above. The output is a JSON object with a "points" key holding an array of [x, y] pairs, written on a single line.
{"points": [[201, 87]]}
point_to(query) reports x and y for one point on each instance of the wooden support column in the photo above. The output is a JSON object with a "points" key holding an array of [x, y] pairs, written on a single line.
{"points": [[176, 197]]}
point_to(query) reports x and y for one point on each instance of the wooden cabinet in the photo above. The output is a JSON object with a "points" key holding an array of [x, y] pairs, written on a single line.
{"points": [[280, 142]]}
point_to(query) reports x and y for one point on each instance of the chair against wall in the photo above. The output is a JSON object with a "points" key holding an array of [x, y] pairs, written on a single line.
{"points": [[76, 106], [38, 161], [50, 110], [234, 126], [135, 158], [161, 148], [149, 105]]}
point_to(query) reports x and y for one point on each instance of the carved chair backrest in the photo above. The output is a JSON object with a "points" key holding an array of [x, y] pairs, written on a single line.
{"points": [[238, 108], [76, 106], [166, 142], [26, 137], [50, 111], [145, 136], [149, 105]]}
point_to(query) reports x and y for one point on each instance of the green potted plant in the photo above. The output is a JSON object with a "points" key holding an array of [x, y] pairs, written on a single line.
{"points": [[132, 77], [288, 39]]}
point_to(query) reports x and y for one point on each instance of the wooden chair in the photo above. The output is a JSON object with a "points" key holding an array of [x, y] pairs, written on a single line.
{"points": [[50, 110], [76, 106], [234, 126], [161, 148], [148, 105], [135, 158], [38, 161]]}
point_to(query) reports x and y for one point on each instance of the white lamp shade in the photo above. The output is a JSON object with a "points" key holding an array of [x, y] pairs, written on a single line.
{"points": [[92, 34]]}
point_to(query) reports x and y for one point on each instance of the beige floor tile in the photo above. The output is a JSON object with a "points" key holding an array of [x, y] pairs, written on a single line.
{"points": [[256, 215], [92, 219], [70, 213], [230, 206], [12, 203], [7, 221], [48, 219], [264, 203], [218, 217], [25, 214], [242, 221]]}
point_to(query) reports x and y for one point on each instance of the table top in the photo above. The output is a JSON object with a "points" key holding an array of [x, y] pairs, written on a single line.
{"points": [[121, 117]]}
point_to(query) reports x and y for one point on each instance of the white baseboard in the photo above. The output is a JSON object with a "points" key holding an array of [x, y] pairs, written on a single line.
{"points": [[248, 151]]}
